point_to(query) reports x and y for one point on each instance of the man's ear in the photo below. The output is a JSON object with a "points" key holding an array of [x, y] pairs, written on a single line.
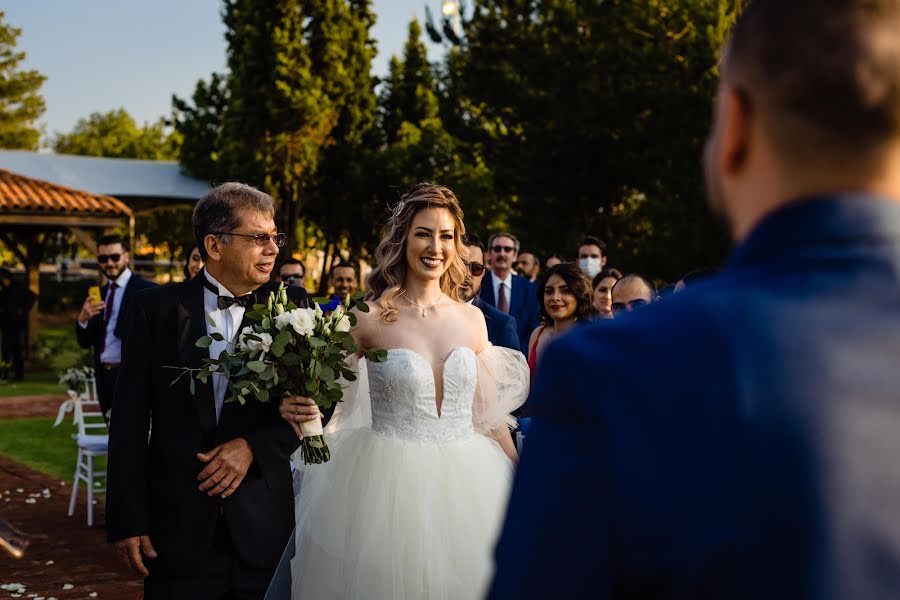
{"points": [[603, 261], [213, 247], [736, 123]]}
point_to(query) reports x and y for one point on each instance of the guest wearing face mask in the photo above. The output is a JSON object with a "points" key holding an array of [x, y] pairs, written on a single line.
{"points": [[592, 256]]}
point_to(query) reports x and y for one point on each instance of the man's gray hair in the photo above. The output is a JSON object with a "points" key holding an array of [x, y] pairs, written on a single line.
{"points": [[218, 211], [504, 234]]}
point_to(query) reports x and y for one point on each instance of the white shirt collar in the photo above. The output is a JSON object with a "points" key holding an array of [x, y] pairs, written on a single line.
{"points": [[223, 291], [507, 281], [122, 280]]}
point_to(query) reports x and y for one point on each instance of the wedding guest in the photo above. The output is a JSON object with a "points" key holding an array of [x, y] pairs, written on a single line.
{"points": [[631, 292], [528, 266], [201, 504], [501, 327], [553, 260], [16, 302], [565, 298], [603, 284], [291, 272], [343, 282], [510, 293], [592, 256], [193, 262], [694, 277], [739, 440], [102, 325]]}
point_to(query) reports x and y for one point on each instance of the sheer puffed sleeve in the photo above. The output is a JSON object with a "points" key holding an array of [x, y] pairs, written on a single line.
{"points": [[354, 410], [502, 387]]}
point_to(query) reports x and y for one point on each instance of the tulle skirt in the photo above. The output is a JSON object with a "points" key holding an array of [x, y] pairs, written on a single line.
{"points": [[393, 519]]}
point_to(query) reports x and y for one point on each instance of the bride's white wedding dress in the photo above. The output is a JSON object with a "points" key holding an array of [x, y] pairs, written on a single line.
{"points": [[411, 502]]}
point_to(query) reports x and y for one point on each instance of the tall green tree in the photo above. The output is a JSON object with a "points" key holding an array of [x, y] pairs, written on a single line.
{"points": [[21, 103], [115, 134], [200, 126], [592, 116]]}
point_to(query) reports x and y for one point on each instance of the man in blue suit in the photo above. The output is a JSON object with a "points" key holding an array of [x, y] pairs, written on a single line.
{"points": [[740, 439], [507, 292], [501, 328]]}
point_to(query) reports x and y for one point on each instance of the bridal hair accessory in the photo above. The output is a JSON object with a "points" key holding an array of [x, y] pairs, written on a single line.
{"points": [[397, 209], [419, 306]]}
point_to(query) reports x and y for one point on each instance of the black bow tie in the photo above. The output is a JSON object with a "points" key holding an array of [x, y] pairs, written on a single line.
{"points": [[223, 302]]}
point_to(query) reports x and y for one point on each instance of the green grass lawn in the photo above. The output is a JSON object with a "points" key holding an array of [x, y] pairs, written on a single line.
{"points": [[56, 351], [35, 384], [39, 445]]}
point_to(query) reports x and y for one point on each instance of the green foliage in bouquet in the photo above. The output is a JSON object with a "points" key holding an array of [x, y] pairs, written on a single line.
{"points": [[290, 351]]}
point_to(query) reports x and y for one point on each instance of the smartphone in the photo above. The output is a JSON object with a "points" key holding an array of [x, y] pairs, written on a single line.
{"points": [[94, 294]]}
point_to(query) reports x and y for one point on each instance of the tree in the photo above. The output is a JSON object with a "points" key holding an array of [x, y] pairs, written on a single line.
{"points": [[115, 134], [200, 126], [592, 117], [21, 104]]}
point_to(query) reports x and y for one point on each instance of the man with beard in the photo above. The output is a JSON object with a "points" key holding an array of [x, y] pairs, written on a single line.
{"points": [[101, 325], [501, 327], [738, 440]]}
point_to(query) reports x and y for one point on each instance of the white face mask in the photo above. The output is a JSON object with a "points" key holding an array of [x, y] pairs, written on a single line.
{"points": [[590, 266]]}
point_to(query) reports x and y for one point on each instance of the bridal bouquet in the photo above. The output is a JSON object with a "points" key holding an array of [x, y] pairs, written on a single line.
{"points": [[291, 351]]}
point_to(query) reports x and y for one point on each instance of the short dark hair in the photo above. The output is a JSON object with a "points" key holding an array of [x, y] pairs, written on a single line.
{"points": [[698, 275], [537, 261], [472, 240], [824, 77], [342, 265], [218, 210], [290, 260], [112, 238], [614, 273], [579, 285], [590, 240]]}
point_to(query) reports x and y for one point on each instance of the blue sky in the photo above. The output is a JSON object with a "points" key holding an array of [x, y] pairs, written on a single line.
{"points": [[103, 54]]}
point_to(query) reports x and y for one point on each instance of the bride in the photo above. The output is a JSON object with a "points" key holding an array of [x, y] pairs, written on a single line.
{"points": [[421, 454]]}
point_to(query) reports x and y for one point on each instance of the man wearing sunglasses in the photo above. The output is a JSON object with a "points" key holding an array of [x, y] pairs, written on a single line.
{"points": [[101, 324], [501, 327], [291, 272], [509, 293], [632, 292]]}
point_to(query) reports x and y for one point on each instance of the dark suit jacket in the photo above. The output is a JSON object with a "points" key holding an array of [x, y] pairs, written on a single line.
{"points": [[737, 440], [90, 336], [153, 483], [501, 327], [523, 306]]}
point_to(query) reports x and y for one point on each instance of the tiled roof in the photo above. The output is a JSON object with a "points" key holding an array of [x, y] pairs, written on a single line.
{"points": [[25, 195]]}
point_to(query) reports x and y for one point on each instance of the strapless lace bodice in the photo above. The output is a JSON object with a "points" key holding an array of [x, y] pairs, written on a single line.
{"points": [[404, 401]]}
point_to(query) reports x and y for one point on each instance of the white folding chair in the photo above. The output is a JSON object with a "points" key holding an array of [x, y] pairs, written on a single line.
{"points": [[93, 441]]}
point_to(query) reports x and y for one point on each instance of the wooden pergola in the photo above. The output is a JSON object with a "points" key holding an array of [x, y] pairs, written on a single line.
{"points": [[33, 212]]}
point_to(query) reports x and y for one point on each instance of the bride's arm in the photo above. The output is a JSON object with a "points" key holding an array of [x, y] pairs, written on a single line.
{"points": [[504, 438]]}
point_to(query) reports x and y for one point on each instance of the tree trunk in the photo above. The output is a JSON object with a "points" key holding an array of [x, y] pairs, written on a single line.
{"points": [[326, 266]]}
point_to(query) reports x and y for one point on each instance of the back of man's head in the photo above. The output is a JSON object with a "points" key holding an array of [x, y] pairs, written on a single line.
{"points": [[823, 77]]}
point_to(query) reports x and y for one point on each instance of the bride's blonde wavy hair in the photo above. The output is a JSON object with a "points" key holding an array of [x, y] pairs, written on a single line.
{"points": [[386, 280]]}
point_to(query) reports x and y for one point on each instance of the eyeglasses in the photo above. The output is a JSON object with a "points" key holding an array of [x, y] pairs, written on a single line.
{"points": [[103, 258], [507, 249], [261, 239], [476, 269]]}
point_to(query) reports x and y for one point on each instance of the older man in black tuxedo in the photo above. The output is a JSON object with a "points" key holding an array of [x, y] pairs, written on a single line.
{"points": [[202, 506]]}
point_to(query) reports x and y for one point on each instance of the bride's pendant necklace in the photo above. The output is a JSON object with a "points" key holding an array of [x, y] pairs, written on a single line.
{"points": [[421, 308]]}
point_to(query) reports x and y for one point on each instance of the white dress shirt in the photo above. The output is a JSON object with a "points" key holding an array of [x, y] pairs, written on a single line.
{"points": [[112, 349], [227, 321], [496, 283]]}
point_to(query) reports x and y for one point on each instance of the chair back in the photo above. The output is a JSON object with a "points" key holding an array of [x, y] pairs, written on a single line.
{"points": [[88, 415]]}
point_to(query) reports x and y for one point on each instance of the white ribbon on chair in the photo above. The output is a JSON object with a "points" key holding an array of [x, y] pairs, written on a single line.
{"points": [[68, 405]]}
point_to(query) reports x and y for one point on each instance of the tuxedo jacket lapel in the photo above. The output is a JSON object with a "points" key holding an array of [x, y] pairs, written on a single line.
{"points": [[191, 327]]}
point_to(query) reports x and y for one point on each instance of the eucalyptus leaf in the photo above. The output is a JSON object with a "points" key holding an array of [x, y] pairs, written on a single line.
{"points": [[257, 366], [276, 349], [290, 359], [363, 308], [317, 343], [209, 320], [193, 386], [321, 300], [204, 342]]}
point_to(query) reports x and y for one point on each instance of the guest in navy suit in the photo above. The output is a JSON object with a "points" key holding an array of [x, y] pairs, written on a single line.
{"points": [[740, 439], [101, 325], [507, 292], [501, 327]]}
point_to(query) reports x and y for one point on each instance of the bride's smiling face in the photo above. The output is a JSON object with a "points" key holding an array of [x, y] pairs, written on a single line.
{"points": [[430, 243]]}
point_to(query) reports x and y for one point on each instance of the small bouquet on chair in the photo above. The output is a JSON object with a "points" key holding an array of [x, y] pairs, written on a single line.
{"points": [[291, 351]]}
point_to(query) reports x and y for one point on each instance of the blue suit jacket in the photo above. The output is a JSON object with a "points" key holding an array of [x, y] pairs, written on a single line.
{"points": [[523, 306], [501, 327], [737, 440]]}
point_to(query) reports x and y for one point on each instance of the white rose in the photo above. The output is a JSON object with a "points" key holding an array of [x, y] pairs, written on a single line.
{"points": [[343, 325], [301, 319], [262, 344]]}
